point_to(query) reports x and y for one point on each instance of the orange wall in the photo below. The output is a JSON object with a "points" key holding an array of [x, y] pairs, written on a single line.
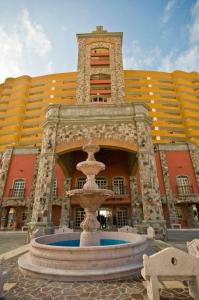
{"points": [[179, 163], [22, 166], [159, 172], [60, 180]]}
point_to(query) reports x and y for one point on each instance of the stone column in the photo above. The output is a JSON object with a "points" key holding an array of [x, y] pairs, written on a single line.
{"points": [[194, 154], [136, 209], [65, 209], [33, 188], [5, 163], [4, 167], [151, 199], [169, 196], [42, 208]]}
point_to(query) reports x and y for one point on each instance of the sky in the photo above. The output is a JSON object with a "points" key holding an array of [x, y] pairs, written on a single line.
{"points": [[38, 37]]}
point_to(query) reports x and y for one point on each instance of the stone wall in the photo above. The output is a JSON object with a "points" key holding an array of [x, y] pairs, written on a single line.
{"points": [[113, 43], [5, 163], [151, 199], [65, 209], [43, 191], [119, 130], [194, 153], [136, 205]]}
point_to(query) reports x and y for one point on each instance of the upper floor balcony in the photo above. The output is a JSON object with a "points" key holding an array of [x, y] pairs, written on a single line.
{"points": [[186, 194]]}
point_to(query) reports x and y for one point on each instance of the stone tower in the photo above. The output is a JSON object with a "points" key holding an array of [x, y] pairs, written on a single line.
{"points": [[100, 68]]}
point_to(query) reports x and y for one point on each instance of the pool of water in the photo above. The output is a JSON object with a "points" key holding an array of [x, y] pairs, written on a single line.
{"points": [[75, 243]]}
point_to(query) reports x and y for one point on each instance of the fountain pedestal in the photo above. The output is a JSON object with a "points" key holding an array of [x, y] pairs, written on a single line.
{"points": [[90, 197]]}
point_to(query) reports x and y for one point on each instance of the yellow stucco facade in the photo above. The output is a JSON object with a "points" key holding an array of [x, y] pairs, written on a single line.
{"points": [[172, 97]]}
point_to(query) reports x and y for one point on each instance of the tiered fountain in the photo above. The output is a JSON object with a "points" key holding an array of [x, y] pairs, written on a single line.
{"points": [[91, 254]]}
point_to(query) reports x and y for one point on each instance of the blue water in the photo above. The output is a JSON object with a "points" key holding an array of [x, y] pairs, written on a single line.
{"points": [[75, 243]]}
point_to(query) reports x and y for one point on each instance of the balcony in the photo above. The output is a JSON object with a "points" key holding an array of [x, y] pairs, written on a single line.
{"points": [[185, 194], [184, 189], [16, 193], [100, 62], [119, 191], [16, 197]]}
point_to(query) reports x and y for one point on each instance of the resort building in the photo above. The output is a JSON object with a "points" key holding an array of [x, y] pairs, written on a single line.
{"points": [[145, 122]]}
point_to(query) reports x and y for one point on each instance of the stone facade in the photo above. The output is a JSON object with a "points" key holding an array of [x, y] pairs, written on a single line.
{"points": [[43, 191], [136, 204], [5, 163], [33, 188], [194, 153], [126, 125], [168, 190], [151, 199], [65, 208]]}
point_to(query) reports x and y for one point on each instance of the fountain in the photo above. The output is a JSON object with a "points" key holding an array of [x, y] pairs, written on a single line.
{"points": [[91, 254]]}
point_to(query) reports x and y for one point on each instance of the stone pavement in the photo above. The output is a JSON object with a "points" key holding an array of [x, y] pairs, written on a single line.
{"points": [[27, 288], [10, 240]]}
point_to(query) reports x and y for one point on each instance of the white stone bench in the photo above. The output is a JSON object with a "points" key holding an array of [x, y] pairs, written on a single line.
{"points": [[193, 247], [63, 229], [170, 264], [176, 226], [127, 229]]}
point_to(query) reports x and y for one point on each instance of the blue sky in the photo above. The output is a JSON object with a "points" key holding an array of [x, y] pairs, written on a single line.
{"points": [[39, 37]]}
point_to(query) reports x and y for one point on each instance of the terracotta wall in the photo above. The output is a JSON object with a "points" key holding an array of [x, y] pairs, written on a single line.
{"points": [[21, 166], [179, 163]]}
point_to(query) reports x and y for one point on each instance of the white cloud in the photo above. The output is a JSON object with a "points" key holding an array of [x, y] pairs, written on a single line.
{"points": [[168, 11], [135, 57], [35, 38], [138, 57], [194, 27], [25, 48]]}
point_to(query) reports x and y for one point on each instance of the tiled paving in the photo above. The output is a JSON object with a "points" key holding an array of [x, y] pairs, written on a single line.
{"points": [[27, 288]]}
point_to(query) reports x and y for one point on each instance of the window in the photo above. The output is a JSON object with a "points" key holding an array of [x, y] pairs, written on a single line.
{"points": [[18, 188], [79, 216], [122, 216], [101, 182], [118, 186], [183, 185], [54, 190], [80, 182], [100, 57]]}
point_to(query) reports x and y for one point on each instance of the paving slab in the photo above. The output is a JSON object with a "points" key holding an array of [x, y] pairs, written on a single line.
{"points": [[27, 288]]}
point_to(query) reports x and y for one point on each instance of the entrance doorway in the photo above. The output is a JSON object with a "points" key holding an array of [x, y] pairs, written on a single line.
{"points": [[104, 216]]}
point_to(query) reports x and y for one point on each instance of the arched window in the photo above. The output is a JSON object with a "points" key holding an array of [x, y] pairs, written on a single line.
{"points": [[80, 182], [100, 87], [101, 182], [100, 57], [183, 185], [119, 187], [18, 188]]}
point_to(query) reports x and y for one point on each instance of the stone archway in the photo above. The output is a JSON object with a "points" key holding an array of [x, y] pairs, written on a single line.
{"points": [[109, 143], [125, 126]]}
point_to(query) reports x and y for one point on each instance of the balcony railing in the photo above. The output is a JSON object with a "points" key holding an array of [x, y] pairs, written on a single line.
{"points": [[183, 190], [118, 190], [17, 193]]}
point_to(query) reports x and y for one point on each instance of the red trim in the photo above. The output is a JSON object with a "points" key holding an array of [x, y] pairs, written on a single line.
{"points": [[100, 92], [100, 81], [99, 62], [99, 54]]}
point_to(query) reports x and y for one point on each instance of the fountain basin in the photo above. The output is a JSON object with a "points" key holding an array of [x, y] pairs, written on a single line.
{"points": [[84, 263]]}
